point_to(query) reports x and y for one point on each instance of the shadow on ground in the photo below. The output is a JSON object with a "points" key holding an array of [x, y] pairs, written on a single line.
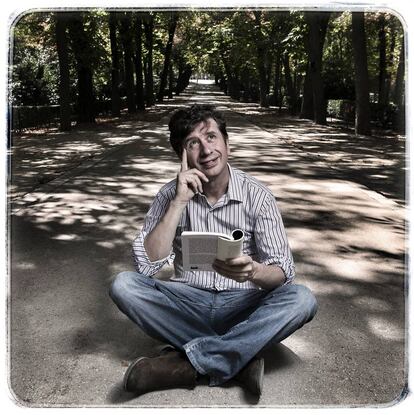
{"points": [[69, 237]]}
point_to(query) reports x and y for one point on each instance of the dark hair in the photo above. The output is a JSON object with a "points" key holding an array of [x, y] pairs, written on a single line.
{"points": [[183, 122]]}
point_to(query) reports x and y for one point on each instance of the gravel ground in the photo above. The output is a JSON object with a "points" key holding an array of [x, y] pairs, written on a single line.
{"points": [[77, 199]]}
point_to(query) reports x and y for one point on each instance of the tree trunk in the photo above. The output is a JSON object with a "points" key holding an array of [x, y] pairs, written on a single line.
{"points": [[261, 60], [149, 76], [82, 51], [126, 38], [382, 76], [167, 56], [269, 65], [232, 84], [289, 85], [64, 81], [362, 110], [392, 57], [170, 81], [138, 65], [318, 23], [307, 111], [399, 96], [276, 87], [115, 96], [183, 79]]}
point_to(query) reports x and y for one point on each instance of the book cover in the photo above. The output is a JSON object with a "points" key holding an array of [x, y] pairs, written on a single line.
{"points": [[200, 249]]}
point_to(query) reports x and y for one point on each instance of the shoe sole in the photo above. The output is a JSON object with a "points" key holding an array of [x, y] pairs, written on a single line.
{"points": [[261, 376], [167, 348], [129, 370]]}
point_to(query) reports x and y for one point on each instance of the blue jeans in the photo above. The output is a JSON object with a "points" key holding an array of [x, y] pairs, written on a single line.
{"points": [[220, 331]]}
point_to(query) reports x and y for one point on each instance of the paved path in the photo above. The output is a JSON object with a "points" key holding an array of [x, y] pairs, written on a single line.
{"points": [[71, 233]]}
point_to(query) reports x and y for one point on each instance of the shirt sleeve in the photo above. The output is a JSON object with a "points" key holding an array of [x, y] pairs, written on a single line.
{"points": [[142, 263], [271, 239]]}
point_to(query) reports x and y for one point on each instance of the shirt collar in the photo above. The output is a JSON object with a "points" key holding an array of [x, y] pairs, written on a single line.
{"points": [[235, 191]]}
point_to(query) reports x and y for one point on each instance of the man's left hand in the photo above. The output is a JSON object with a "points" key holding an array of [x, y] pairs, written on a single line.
{"points": [[240, 269]]}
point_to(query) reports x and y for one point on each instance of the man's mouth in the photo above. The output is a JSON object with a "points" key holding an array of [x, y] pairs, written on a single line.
{"points": [[208, 164]]}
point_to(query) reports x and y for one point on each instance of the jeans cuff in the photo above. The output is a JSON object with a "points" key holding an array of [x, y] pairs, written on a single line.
{"points": [[190, 349]]}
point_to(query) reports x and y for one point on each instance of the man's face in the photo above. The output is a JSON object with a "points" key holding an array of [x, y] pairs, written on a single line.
{"points": [[207, 150]]}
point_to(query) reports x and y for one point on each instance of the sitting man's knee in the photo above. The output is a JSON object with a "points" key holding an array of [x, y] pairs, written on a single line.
{"points": [[306, 301], [120, 284]]}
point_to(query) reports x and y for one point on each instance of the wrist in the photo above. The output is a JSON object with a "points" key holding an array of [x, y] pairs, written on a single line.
{"points": [[178, 204], [255, 270]]}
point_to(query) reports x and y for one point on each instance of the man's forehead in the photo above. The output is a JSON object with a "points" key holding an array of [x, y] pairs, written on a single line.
{"points": [[204, 126]]}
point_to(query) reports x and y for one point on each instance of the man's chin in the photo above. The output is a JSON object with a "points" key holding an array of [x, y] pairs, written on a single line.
{"points": [[214, 171]]}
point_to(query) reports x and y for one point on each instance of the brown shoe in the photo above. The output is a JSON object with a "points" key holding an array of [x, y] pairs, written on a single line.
{"points": [[165, 348], [251, 376], [169, 371]]}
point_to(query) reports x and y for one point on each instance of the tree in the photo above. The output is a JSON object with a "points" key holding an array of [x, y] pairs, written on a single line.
{"points": [[260, 53], [148, 70], [171, 81], [246, 51], [81, 48], [115, 95], [338, 67], [138, 64], [382, 72], [399, 96], [167, 56], [362, 109], [127, 39], [307, 111], [291, 93], [318, 23], [277, 78], [64, 79]]}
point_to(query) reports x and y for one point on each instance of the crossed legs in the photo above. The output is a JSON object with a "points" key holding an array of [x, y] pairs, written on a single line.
{"points": [[220, 332]]}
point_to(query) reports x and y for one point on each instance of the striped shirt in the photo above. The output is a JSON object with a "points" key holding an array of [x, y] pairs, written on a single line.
{"points": [[247, 205]]}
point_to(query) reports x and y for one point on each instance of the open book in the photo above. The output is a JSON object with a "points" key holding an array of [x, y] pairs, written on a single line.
{"points": [[200, 249]]}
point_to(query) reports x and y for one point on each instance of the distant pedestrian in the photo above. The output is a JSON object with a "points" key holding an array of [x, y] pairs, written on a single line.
{"points": [[214, 322]]}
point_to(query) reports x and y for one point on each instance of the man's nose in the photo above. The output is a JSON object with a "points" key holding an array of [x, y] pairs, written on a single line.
{"points": [[206, 147]]}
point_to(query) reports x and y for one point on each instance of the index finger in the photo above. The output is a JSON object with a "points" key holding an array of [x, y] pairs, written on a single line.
{"points": [[184, 164]]}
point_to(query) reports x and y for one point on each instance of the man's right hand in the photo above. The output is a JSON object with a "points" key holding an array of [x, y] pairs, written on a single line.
{"points": [[189, 181]]}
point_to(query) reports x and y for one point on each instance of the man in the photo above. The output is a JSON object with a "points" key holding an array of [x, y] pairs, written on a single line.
{"points": [[215, 323]]}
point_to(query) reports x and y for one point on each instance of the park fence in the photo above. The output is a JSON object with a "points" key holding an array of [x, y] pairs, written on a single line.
{"points": [[29, 116], [47, 116]]}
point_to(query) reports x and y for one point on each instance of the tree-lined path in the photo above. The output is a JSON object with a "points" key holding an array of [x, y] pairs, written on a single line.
{"points": [[78, 199]]}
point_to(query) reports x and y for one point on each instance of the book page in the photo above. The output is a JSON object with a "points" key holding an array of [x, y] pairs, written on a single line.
{"points": [[200, 249], [199, 252], [230, 248]]}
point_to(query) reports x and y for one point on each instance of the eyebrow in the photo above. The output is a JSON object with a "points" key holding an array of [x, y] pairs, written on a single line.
{"points": [[191, 137], [186, 140]]}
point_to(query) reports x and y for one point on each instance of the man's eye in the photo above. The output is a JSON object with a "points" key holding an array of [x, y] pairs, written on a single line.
{"points": [[192, 143], [211, 137]]}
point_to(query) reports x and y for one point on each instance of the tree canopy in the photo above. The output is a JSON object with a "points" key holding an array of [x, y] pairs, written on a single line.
{"points": [[101, 61]]}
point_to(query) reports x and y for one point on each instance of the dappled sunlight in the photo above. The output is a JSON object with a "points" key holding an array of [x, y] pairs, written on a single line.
{"points": [[370, 159], [303, 347], [328, 217], [385, 328], [47, 157], [352, 268], [348, 240], [373, 305], [110, 244], [26, 266], [115, 141], [323, 287], [163, 167], [66, 237]]}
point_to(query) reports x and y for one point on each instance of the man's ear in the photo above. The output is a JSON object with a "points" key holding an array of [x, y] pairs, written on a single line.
{"points": [[228, 146]]}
